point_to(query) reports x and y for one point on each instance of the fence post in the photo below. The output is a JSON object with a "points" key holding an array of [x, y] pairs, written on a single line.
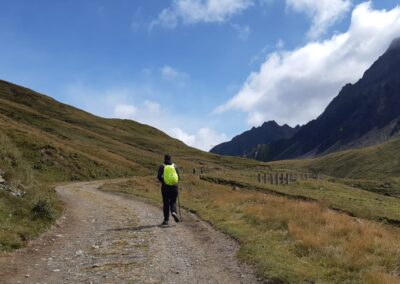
{"points": [[271, 179], [276, 179], [287, 178], [265, 178]]}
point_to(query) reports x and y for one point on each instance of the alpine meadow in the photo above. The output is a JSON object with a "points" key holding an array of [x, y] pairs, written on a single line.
{"points": [[83, 191]]}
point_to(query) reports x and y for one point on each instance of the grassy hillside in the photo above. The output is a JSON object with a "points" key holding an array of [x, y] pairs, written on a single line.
{"points": [[44, 142], [27, 206], [64, 143], [375, 168], [375, 162]]}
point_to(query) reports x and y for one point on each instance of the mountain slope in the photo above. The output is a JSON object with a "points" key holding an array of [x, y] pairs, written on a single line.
{"points": [[245, 144], [363, 114], [64, 143]]}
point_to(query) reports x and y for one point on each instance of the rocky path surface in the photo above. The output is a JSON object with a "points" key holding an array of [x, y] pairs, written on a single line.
{"points": [[107, 238]]}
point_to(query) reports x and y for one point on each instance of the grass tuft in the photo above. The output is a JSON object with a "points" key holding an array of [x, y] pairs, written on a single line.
{"points": [[43, 209]]}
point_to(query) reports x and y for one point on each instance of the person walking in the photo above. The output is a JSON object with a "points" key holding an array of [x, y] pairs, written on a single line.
{"points": [[168, 175]]}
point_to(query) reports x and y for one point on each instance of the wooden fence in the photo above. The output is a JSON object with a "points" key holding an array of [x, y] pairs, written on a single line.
{"points": [[284, 177]]}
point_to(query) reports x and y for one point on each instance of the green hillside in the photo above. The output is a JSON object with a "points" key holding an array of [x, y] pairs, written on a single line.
{"points": [[44, 141], [375, 168], [288, 232], [64, 143]]}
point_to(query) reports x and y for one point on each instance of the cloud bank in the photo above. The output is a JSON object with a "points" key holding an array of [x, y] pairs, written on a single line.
{"points": [[295, 86]]}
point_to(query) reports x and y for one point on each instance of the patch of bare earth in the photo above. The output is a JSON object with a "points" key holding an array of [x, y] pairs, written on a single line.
{"points": [[106, 238]]}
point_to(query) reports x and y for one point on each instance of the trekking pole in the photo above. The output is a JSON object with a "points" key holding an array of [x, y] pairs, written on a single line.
{"points": [[179, 207]]}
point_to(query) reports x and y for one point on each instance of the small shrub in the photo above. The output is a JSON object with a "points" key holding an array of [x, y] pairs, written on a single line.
{"points": [[43, 210]]}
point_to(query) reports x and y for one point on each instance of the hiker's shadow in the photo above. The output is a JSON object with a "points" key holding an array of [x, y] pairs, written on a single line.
{"points": [[137, 228]]}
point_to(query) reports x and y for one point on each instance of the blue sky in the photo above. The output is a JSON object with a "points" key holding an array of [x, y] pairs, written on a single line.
{"points": [[202, 71]]}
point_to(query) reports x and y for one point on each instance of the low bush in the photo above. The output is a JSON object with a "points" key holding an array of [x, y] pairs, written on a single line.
{"points": [[43, 209]]}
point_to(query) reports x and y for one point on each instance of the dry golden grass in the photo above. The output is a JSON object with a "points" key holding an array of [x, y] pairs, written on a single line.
{"points": [[289, 240], [378, 277], [338, 240]]}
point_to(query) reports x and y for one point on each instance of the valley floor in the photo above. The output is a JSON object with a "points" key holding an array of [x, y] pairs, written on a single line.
{"points": [[108, 238]]}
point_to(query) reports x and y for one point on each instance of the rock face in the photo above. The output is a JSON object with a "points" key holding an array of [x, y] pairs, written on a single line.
{"points": [[1, 176], [245, 144], [10, 188], [363, 114]]}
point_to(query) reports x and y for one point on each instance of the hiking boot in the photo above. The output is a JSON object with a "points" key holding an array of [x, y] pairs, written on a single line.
{"points": [[164, 223], [176, 218]]}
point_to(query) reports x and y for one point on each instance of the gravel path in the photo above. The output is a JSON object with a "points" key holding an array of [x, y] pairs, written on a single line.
{"points": [[108, 238]]}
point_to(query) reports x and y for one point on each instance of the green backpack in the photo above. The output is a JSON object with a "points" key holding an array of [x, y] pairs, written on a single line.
{"points": [[170, 175]]}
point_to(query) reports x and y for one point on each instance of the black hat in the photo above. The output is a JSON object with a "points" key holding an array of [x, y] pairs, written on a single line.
{"points": [[167, 158]]}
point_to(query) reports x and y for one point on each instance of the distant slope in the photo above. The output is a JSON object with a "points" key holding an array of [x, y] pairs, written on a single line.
{"points": [[374, 168], [363, 114], [378, 162], [245, 144]]}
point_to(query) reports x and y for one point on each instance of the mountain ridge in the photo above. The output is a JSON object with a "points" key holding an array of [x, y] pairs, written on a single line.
{"points": [[363, 114], [245, 144]]}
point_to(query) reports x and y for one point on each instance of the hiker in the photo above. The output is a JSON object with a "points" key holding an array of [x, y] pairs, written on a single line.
{"points": [[168, 175]]}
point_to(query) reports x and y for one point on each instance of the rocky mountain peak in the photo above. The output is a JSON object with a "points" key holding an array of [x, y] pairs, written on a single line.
{"points": [[395, 44]]}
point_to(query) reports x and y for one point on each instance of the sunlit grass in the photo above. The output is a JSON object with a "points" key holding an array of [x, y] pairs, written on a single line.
{"points": [[290, 240], [18, 221]]}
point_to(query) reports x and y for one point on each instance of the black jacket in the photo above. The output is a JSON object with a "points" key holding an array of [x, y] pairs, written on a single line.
{"points": [[160, 176]]}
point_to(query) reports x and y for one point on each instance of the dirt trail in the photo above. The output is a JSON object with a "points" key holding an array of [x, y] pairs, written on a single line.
{"points": [[107, 238]]}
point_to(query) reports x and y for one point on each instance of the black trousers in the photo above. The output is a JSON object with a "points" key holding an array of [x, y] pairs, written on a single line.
{"points": [[169, 195]]}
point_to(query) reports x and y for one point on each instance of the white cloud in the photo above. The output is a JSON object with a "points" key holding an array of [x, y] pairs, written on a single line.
{"points": [[203, 139], [96, 101], [125, 111], [324, 13], [242, 30], [170, 74], [148, 112], [196, 11], [295, 86]]}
